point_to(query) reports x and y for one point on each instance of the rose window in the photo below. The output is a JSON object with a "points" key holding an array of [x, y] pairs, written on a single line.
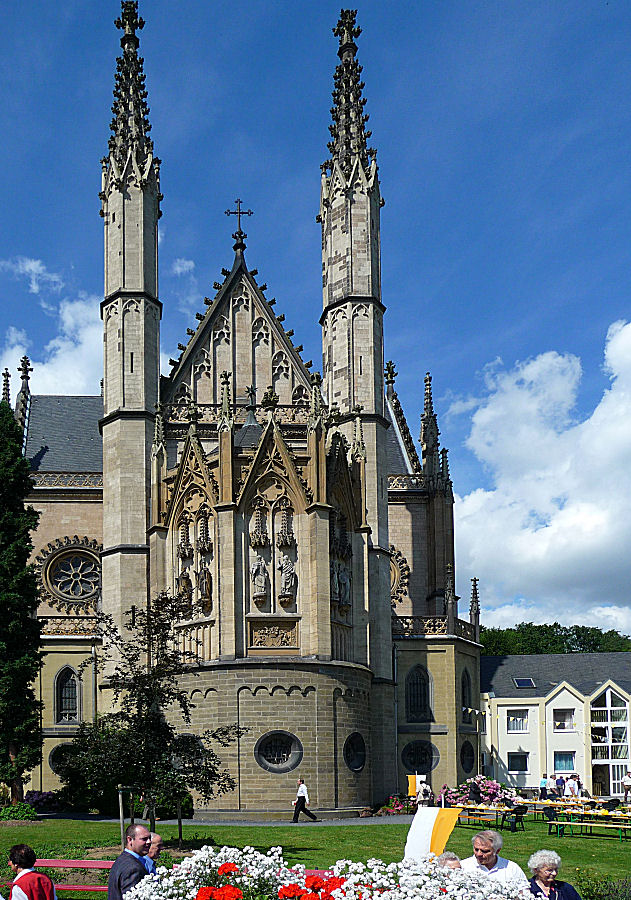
{"points": [[75, 576]]}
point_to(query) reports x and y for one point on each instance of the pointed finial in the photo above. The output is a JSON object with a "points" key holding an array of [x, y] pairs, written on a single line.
{"points": [[315, 399], [25, 370], [348, 130], [250, 393], [130, 124], [358, 447], [390, 373], [474, 608], [444, 465], [429, 403], [429, 432], [6, 395], [225, 418]]}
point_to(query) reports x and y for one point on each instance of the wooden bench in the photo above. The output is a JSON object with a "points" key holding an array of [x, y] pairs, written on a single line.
{"points": [[562, 825], [473, 819], [76, 864]]}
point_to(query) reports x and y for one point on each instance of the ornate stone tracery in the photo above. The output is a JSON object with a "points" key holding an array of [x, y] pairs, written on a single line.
{"points": [[399, 576], [69, 573]]}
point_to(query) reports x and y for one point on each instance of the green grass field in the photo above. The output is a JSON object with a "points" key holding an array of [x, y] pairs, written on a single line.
{"points": [[317, 846]]}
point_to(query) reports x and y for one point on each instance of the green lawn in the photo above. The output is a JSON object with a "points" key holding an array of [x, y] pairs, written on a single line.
{"points": [[318, 847]]}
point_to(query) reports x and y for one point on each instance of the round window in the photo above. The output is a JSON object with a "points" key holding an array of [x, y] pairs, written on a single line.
{"points": [[57, 756], [278, 751], [420, 757], [467, 756], [355, 752]]}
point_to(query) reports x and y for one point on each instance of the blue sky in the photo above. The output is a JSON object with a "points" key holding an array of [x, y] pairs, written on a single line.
{"points": [[503, 133]]}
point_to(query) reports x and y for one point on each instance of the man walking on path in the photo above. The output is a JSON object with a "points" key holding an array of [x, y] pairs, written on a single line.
{"points": [[302, 802], [129, 868]]}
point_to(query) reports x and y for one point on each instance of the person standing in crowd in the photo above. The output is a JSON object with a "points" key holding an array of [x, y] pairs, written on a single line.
{"points": [[302, 802], [571, 787], [129, 868], [626, 785], [486, 860], [155, 849], [551, 787], [27, 883], [560, 783], [545, 865], [543, 787]]}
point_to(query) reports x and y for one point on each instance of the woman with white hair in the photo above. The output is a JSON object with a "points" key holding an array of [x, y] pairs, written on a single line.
{"points": [[545, 865]]}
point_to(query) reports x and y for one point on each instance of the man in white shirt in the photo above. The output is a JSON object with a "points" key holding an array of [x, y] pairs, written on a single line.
{"points": [[571, 787], [302, 802], [626, 784], [551, 787], [485, 859]]}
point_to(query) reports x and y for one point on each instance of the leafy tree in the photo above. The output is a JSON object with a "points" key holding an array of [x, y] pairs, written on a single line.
{"points": [[138, 744], [527, 638], [20, 657]]}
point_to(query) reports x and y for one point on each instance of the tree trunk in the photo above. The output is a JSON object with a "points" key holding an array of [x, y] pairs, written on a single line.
{"points": [[16, 784]]}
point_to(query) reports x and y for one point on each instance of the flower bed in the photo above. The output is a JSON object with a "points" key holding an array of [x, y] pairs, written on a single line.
{"points": [[231, 874]]}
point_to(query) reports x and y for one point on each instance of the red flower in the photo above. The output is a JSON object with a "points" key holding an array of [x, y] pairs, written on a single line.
{"points": [[205, 893], [310, 897], [228, 869], [227, 892], [288, 891], [334, 882], [314, 882]]}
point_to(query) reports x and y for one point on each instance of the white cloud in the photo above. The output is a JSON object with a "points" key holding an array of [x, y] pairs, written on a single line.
{"points": [[550, 539], [182, 266], [34, 271], [70, 363]]}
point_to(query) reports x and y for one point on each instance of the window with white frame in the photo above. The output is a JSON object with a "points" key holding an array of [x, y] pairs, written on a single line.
{"points": [[517, 720], [483, 723], [517, 762], [563, 720], [563, 760]]}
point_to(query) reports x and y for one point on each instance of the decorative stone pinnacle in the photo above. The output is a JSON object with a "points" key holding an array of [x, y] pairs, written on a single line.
{"points": [[390, 372], [475, 599], [193, 415], [6, 396], [348, 131], [250, 393], [239, 235], [25, 369], [130, 124], [429, 403], [225, 418]]}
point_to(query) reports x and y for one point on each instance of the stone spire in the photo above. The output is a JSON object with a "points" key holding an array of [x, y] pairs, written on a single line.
{"points": [[348, 131], [225, 416], [24, 395], [474, 608], [6, 395], [130, 125], [429, 432]]}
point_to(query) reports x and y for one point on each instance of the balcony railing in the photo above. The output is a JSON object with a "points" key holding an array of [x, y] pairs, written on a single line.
{"points": [[420, 626]]}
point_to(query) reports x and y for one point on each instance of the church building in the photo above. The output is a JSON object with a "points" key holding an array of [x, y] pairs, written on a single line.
{"points": [[310, 544]]}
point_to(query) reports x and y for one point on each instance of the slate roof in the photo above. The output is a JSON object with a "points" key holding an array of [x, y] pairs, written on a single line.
{"points": [[63, 434], [584, 671], [398, 463]]}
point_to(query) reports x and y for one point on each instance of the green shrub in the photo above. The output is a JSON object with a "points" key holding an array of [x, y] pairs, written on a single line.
{"points": [[22, 811]]}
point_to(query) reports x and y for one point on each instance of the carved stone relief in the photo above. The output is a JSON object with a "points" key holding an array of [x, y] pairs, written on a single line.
{"points": [[276, 635], [399, 576], [260, 578], [69, 571]]}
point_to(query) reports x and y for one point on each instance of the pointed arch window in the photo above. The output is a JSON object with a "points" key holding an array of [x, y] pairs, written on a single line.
{"points": [[418, 695], [467, 712], [67, 696]]}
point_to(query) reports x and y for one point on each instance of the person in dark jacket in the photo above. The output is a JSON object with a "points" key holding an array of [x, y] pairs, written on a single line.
{"points": [[129, 868], [545, 865]]}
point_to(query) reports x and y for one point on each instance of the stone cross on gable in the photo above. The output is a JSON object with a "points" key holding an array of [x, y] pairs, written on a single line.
{"points": [[239, 235]]}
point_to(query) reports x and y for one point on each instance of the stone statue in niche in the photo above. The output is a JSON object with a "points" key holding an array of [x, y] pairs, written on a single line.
{"points": [[335, 581], [287, 571], [205, 584], [185, 585], [258, 573], [344, 582]]}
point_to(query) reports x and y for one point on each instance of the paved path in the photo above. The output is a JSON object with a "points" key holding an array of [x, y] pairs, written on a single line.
{"points": [[217, 822]]}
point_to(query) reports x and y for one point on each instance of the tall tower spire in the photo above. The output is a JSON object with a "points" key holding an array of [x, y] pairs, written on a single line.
{"points": [[130, 198]]}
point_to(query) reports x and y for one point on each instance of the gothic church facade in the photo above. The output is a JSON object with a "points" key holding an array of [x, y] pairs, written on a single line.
{"points": [[310, 544]]}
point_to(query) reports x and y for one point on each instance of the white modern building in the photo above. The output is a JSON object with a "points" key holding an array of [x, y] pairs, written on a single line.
{"points": [[556, 713]]}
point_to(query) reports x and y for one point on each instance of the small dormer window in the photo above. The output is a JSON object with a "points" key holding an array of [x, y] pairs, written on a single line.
{"points": [[524, 682]]}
